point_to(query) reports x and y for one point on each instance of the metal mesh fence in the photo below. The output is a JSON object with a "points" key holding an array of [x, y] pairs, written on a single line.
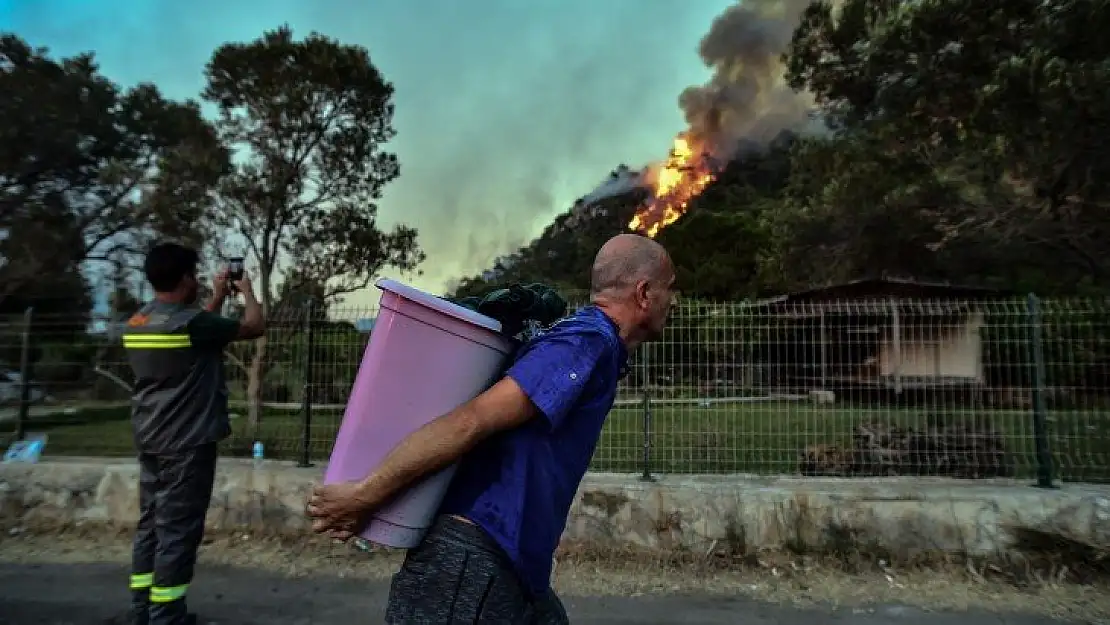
{"points": [[849, 388]]}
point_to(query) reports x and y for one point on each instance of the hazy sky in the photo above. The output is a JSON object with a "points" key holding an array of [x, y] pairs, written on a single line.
{"points": [[507, 110]]}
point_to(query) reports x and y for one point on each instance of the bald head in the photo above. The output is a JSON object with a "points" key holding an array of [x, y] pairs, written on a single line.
{"points": [[625, 260]]}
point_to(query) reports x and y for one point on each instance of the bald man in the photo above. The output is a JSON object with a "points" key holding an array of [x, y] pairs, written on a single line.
{"points": [[523, 447]]}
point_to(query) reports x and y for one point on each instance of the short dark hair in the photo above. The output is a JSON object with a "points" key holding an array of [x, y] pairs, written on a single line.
{"points": [[167, 264]]}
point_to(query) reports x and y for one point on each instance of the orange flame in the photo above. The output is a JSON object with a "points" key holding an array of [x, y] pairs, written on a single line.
{"points": [[676, 181]]}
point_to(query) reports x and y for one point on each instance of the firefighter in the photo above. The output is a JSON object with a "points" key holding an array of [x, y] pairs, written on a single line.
{"points": [[179, 415]]}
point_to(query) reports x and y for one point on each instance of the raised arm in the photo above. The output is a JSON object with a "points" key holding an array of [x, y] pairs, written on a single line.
{"points": [[253, 323], [210, 330]]}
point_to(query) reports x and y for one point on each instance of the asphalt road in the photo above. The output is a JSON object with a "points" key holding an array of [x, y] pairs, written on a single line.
{"points": [[58, 594]]}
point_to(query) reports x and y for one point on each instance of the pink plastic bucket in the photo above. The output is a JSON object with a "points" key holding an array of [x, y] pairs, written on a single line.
{"points": [[426, 356]]}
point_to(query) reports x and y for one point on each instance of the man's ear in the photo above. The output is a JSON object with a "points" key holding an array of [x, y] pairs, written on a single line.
{"points": [[642, 288]]}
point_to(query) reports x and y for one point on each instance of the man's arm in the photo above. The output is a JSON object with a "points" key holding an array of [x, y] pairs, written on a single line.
{"points": [[209, 330], [546, 381], [443, 441], [212, 331], [253, 324]]}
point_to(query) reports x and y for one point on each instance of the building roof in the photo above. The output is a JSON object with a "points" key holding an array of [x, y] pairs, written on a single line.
{"points": [[847, 296]]}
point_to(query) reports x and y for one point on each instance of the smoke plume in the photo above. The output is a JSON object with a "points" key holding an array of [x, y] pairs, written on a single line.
{"points": [[745, 104], [747, 97]]}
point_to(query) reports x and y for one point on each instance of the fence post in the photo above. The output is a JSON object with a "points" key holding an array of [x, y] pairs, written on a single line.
{"points": [[306, 393], [1040, 416], [647, 477], [645, 422], [24, 377]]}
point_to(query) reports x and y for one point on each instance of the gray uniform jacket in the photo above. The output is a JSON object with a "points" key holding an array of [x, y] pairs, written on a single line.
{"points": [[180, 396]]}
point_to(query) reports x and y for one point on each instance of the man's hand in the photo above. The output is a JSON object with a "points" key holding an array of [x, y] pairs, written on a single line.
{"points": [[220, 285], [253, 323], [338, 510], [219, 292], [244, 285]]}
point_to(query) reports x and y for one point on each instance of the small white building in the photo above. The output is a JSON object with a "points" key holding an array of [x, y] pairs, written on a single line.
{"points": [[877, 333]]}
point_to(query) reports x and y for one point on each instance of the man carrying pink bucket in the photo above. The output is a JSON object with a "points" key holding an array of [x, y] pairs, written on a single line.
{"points": [[479, 488]]}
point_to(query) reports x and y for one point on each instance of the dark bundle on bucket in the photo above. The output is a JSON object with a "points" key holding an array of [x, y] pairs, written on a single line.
{"points": [[519, 308]]}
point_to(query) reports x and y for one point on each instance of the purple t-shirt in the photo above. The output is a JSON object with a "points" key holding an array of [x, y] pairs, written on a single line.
{"points": [[519, 485]]}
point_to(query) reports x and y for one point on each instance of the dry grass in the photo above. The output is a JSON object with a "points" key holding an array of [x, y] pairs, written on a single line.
{"points": [[1048, 576]]}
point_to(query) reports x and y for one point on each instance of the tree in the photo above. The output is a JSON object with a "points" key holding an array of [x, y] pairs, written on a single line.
{"points": [[716, 255], [122, 302], [76, 151], [307, 121], [1004, 100], [724, 243]]}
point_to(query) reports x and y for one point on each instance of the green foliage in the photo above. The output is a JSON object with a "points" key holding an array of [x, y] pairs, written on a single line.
{"points": [[965, 144], [309, 120], [93, 171], [333, 360], [997, 108], [75, 150], [716, 255]]}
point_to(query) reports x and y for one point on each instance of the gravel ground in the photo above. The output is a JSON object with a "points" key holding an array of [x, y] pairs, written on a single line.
{"points": [[77, 578]]}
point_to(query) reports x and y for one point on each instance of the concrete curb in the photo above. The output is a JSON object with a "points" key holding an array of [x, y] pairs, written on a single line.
{"points": [[700, 513]]}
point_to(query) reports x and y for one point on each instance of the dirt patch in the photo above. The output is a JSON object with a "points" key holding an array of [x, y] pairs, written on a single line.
{"points": [[780, 578]]}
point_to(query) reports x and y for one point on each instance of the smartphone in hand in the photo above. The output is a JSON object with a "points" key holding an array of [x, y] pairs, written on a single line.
{"points": [[234, 273]]}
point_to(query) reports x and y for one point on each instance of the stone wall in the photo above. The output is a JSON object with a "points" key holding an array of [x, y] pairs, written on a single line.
{"points": [[690, 512]]}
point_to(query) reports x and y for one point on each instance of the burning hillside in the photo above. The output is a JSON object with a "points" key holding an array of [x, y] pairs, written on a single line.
{"points": [[673, 183], [740, 111], [746, 99]]}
